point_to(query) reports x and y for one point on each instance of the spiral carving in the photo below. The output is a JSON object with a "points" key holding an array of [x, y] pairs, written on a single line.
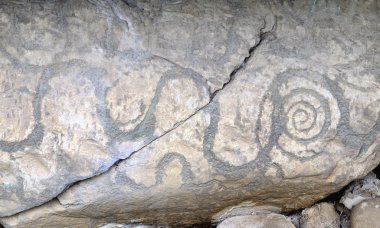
{"points": [[306, 113]]}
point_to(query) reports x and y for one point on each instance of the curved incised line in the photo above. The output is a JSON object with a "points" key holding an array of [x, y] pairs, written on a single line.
{"points": [[34, 139], [325, 107], [307, 114]]}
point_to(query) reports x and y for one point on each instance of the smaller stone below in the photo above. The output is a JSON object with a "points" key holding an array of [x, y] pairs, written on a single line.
{"points": [[116, 225], [257, 221], [321, 215], [360, 190], [366, 214]]}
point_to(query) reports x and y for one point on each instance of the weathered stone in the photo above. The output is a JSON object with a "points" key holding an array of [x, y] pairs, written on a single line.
{"points": [[321, 215], [114, 225], [257, 221], [78, 100], [152, 113], [245, 208], [366, 214], [360, 190]]}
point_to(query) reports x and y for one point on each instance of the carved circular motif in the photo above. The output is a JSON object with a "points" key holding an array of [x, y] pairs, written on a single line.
{"points": [[306, 114]]}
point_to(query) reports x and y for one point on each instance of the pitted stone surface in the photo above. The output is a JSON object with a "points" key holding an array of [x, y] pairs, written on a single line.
{"points": [[151, 112]]}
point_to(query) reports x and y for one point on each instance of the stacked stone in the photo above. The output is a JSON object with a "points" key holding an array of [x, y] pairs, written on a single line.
{"points": [[359, 207]]}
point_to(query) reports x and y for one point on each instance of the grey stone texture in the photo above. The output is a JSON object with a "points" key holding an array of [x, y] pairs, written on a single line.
{"points": [[168, 112], [366, 188]]}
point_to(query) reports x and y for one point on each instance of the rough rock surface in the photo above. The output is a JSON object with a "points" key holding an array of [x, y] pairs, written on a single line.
{"points": [[360, 190], [366, 214], [167, 112], [115, 225], [257, 221], [321, 215]]}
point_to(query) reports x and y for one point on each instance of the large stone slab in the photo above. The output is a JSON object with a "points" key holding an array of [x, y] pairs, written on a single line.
{"points": [[82, 86], [153, 87]]}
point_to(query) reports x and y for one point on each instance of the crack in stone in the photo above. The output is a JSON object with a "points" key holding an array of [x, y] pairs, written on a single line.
{"points": [[263, 36]]}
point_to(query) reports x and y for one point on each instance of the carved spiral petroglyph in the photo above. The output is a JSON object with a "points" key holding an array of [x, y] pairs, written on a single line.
{"points": [[300, 114], [306, 113]]}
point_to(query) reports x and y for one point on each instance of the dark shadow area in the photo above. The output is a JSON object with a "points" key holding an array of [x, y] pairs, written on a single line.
{"points": [[377, 171], [204, 225], [334, 197]]}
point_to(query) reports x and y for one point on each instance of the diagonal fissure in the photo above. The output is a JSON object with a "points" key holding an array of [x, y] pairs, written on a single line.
{"points": [[263, 36]]}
